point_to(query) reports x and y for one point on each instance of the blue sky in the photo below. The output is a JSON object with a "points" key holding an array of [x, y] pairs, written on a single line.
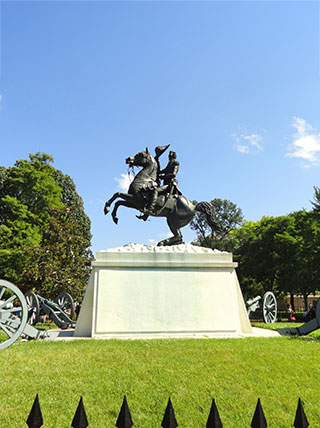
{"points": [[233, 86]]}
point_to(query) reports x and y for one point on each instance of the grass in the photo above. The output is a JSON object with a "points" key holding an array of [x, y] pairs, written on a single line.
{"points": [[191, 371], [276, 325]]}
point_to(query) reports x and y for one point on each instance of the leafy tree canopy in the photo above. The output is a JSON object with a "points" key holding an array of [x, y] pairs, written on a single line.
{"points": [[41, 214], [62, 261], [316, 199], [279, 254]]}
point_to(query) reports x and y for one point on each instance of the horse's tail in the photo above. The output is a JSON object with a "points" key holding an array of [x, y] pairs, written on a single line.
{"points": [[208, 210]]}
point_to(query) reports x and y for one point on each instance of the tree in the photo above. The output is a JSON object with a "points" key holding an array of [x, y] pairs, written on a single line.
{"points": [[62, 261], [261, 254], [279, 254], [70, 198], [228, 216], [20, 230], [307, 269], [316, 197], [34, 220], [32, 183], [26, 190]]}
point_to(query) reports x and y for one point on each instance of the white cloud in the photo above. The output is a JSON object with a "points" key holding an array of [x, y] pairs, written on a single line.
{"points": [[124, 182], [165, 235], [248, 143], [0, 98], [306, 143], [254, 140], [242, 148]]}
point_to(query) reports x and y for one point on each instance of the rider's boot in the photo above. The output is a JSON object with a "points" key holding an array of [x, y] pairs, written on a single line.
{"points": [[150, 206]]}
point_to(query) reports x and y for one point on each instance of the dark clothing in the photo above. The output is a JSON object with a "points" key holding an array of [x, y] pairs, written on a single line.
{"points": [[170, 171]]}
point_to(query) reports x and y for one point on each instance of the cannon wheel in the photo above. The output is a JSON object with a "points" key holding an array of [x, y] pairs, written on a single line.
{"points": [[65, 302], [33, 307], [269, 307], [13, 312]]}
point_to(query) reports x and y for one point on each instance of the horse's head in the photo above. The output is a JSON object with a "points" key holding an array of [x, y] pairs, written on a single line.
{"points": [[140, 159]]}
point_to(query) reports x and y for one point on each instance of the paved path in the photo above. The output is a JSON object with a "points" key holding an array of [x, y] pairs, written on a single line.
{"points": [[256, 332]]}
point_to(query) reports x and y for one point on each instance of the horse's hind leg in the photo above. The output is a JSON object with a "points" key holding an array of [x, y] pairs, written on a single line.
{"points": [[176, 239], [117, 205]]}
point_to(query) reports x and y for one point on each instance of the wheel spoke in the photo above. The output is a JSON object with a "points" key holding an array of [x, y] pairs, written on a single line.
{"points": [[18, 309], [13, 313], [269, 307], [3, 304], [6, 330]]}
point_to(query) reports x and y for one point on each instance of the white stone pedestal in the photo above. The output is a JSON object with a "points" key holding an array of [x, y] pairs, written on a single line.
{"points": [[146, 291]]}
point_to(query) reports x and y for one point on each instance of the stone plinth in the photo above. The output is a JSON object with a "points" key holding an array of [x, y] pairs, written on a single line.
{"points": [[140, 290]]}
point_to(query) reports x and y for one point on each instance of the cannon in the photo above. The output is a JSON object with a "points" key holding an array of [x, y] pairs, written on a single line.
{"points": [[269, 307], [60, 311], [304, 329], [14, 314]]}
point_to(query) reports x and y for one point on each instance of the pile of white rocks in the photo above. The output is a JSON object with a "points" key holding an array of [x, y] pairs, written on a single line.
{"points": [[182, 248]]}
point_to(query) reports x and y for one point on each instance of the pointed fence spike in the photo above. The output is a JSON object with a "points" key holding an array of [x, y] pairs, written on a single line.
{"points": [[214, 420], [169, 420], [35, 416], [300, 421], [124, 419], [259, 420], [80, 418]]}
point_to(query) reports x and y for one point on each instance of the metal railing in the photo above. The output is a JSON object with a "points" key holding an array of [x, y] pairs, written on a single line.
{"points": [[124, 420]]}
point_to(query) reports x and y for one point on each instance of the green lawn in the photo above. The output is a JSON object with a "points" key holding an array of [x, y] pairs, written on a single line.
{"points": [[192, 371], [276, 325]]}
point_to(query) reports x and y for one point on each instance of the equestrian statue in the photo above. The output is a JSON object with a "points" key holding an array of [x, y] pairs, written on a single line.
{"points": [[152, 198]]}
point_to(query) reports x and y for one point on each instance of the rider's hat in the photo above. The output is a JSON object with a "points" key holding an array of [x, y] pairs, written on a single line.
{"points": [[160, 149]]}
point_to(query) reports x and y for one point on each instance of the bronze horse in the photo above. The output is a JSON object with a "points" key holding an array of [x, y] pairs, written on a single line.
{"points": [[178, 210]]}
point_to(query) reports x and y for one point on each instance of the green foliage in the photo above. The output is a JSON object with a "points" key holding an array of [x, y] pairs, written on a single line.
{"points": [[32, 183], [62, 260], [316, 198], [70, 198], [19, 231], [44, 232], [279, 254]]}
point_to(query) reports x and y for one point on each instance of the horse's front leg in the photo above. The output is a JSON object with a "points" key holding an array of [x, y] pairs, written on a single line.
{"points": [[114, 197], [117, 205]]}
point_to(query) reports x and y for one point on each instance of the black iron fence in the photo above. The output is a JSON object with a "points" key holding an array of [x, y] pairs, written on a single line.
{"points": [[124, 419]]}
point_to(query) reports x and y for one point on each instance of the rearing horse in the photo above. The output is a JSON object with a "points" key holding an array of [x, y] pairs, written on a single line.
{"points": [[178, 210]]}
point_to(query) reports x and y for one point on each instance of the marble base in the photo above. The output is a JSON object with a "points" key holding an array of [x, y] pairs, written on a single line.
{"points": [[140, 290]]}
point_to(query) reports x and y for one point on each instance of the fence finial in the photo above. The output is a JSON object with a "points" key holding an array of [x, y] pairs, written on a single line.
{"points": [[80, 418], [35, 416], [259, 420], [124, 419], [214, 420], [169, 420], [300, 421]]}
